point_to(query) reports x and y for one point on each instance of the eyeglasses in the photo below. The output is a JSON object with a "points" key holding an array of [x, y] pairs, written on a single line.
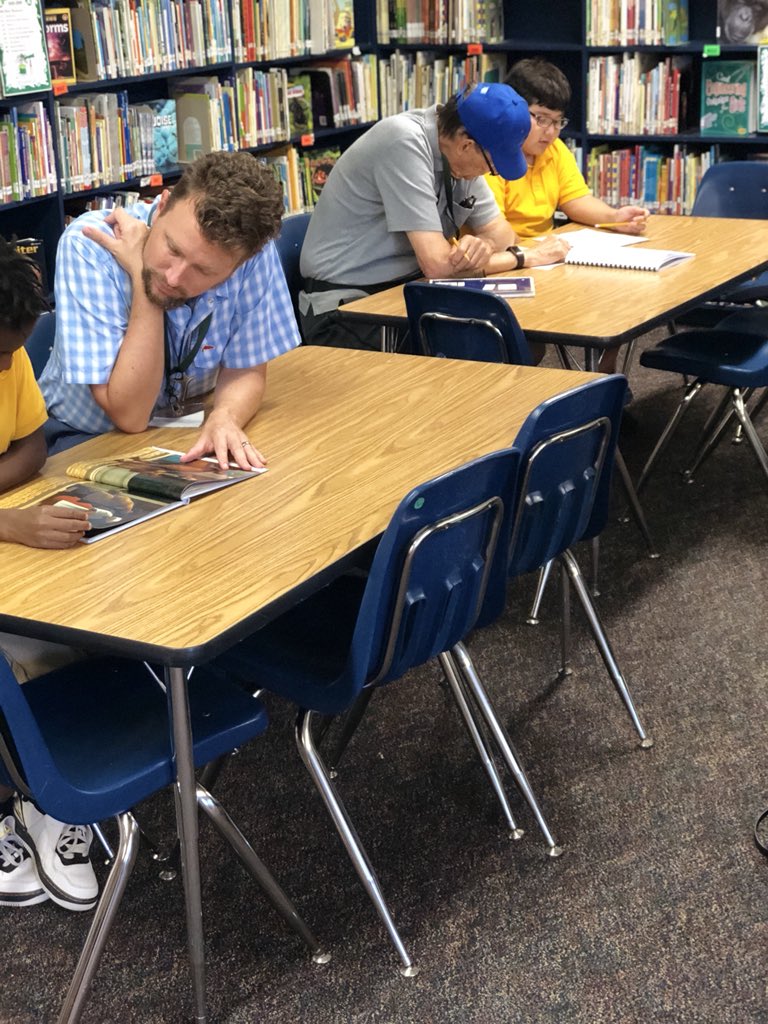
{"points": [[545, 121], [487, 158]]}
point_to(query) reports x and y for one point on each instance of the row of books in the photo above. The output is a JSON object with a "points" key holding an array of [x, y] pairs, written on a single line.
{"points": [[274, 29], [439, 22], [302, 175], [27, 166], [662, 182], [103, 139], [637, 22], [635, 94], [123, 38], [409, 81]]}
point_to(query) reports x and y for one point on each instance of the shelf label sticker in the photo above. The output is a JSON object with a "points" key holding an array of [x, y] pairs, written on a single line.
{"points": [[711, 50], [59, 87], [474, 48], [155, 179], [307, 140]]}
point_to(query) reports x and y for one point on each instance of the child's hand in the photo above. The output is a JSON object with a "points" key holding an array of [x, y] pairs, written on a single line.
{"points": [[43, 526]]}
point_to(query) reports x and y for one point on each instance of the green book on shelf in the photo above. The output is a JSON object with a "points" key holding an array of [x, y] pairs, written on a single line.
{"points": [[728, 97]]}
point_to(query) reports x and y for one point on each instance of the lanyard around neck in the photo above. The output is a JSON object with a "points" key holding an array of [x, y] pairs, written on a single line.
{"points": [[448, 189], [184, 359]]}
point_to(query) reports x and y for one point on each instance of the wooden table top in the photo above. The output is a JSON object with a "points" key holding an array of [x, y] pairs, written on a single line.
{"points": [[602, 307], [347, 434]]}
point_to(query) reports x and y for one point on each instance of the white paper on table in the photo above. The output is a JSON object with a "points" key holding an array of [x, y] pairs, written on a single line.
{"points": [[590, 238]]}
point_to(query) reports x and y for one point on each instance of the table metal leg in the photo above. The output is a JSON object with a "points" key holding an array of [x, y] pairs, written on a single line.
{"points": [[186, 823]]}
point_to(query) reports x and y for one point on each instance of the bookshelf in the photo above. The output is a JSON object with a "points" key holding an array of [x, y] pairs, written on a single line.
{"points": [[245, 55]]}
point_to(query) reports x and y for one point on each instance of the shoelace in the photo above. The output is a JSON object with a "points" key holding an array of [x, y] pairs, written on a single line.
{"points": [[12, 853], [74, 843]]}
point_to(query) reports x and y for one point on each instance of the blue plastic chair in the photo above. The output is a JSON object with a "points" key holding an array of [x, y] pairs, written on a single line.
{"points": [[456, 323], [91, 740], [289, 243], [567, 446], [736, 188], [426, 584], [40, 342], [448, 321], [733, 355]]}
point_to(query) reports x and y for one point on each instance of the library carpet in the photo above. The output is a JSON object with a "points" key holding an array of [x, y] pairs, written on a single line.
{"points": [[658, 910]]}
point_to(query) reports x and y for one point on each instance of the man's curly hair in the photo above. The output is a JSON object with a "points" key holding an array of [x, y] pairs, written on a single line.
{"points": [[237, 199], [21, 290]]}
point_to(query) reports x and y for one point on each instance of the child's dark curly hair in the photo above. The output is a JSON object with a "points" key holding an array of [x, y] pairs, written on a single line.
{"points": [[21, 290]]}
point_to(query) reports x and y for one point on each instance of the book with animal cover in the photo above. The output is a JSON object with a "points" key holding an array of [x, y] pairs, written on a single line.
{"points": [[118, 493], [344, 24], [299, 95], [23, 54], [742, 22], [625, 258], [508, 287], [320, 163], [728, 100], [58, 38]]}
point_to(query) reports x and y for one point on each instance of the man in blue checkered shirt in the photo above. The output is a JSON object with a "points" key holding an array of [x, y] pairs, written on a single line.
{"points": [[162, 303]]}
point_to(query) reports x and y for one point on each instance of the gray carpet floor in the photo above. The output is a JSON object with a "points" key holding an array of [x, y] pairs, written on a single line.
{"points": [[656, 912]]}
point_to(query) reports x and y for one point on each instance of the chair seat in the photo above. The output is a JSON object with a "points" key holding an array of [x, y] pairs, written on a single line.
{"points": [[734, 359], [105, 722], [303, 653]]}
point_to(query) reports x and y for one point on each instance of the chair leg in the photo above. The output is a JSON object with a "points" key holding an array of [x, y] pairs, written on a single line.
{"points": [[99, 833], [171, 861], [565, 624], [483, 749], [712, 434], [634, 504], [533, 615], [603, 645], [759, 405], [749, 430], [128, 846], [349, 724], [503, 742], [349, 837], [690, 393], [261, 874]]}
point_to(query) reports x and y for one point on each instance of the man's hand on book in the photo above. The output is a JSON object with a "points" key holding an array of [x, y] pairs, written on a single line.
{"points": [[43, 526], [228, 442]]}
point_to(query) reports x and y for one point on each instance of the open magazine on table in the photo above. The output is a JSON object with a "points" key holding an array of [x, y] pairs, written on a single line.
{"points": [[118, 493]]}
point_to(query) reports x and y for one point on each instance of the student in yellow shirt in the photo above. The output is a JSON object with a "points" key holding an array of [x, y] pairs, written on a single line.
{"points": [[40, 858], [553, 180]]}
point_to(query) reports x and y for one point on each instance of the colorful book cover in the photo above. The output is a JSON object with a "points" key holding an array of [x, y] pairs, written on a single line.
{"points": [[23, 53], [59, 42], [321, 163], [344, 23], [165, 146], [300, 105], [728, 100]]}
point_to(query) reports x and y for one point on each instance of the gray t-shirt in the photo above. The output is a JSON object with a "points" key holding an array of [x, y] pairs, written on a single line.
{"points": [[389, 182]]}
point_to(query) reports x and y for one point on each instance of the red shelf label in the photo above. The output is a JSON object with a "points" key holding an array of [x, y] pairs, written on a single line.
{"points": [[59, 88], [474, 48], [307, 140]]}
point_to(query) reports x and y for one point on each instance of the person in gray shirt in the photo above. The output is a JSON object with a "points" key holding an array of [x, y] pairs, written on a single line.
{"points": [[408, 199]]}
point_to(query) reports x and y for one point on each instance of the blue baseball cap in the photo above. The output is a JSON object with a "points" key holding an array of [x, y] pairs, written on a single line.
{"points": [[497, 118]]}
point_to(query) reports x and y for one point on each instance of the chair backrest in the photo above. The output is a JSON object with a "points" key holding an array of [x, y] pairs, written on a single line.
{"points": [[738, 188], [567, 447], [427, 583], [289, 243], [40, 342], [459, 323]]}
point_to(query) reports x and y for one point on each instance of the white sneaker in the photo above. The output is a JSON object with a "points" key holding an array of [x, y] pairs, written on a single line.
{"points": [[61, 853], [19, 884]]}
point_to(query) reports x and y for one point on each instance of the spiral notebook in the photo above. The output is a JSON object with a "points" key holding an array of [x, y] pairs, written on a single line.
{"points": [[626, 258]]}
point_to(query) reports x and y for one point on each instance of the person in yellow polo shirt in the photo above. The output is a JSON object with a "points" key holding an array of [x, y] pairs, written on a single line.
{"points": [[553, 180], [40, 858]]}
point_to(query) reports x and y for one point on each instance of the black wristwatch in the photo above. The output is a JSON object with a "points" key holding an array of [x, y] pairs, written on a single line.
{"points": [[519, 255]]}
